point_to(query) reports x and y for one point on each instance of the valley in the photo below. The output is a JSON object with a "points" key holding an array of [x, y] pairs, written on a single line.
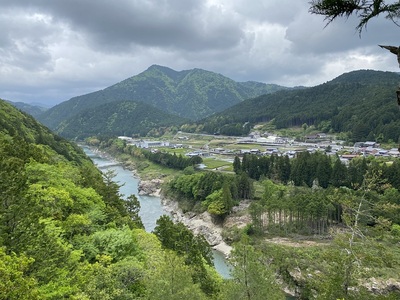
{"points": [[202, 150], [281, 178]]}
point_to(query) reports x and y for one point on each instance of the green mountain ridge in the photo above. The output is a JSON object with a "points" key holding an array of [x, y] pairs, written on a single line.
{"points": [[34, 110], [362, 103], [23, 126], [117, 118], [192, 94]]}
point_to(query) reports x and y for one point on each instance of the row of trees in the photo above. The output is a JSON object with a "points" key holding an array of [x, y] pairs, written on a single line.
{"points": [[172, 160], [216, 192], [317, 169], [285, 209]]}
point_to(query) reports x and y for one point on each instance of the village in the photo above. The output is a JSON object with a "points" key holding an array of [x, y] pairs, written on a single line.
{"points": [[227, 147]]}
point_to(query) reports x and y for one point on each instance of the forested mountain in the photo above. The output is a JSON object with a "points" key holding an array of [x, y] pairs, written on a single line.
{"points": [[67, 233], [32, 109], [192, 94], [362, 103], [118, 118]]}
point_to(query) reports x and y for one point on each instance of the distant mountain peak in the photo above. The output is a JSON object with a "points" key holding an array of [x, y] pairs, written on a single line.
{"points": [[192, 94]]}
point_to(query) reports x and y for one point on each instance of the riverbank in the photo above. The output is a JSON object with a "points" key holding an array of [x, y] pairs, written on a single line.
{"points": [[197, 223]]}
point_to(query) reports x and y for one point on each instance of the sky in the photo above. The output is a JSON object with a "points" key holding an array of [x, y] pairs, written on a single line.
{"points": [[51, 51]]}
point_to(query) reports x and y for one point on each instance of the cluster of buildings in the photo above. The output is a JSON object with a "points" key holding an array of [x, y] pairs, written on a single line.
{"points": [[373, 148], [275, 145]]}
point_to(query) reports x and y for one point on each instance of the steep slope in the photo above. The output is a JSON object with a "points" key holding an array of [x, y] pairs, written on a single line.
{"points": [[360, 102], [24, 127], [117, 118], [67, 233], [192, 94]]}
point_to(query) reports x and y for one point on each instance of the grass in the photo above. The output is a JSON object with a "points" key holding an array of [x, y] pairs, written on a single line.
{"points": [[212, 163]]}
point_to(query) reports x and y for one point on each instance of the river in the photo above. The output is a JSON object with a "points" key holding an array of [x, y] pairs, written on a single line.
{"points": [[150, 207]]}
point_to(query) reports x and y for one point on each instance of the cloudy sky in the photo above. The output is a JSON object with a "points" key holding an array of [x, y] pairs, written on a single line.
{"points": [[53, 50]]}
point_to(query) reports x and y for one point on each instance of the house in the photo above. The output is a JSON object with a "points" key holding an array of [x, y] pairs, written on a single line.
{"points": [[394, 152], [348, 156], [152, 144], [371, 144], [255, 151]]}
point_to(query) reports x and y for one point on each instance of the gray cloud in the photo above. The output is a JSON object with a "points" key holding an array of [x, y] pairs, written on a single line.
{"points": [[116, 25], [53, 50]]}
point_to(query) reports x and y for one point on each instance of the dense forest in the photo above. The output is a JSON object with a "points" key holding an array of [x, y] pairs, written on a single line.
{"points": [[350, 212], [362, 104], [191, 94], [67, 233], [127, 118]]}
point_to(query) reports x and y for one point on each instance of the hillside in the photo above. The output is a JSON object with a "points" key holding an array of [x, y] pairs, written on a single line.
{"points": [[67, 233], [192, 94], [117, 118], [362, 103], [25, 128], [32, 109]]}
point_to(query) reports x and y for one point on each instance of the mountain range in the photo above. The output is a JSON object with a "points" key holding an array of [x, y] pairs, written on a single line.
{"points": [[126, 118], [192, 94], [362, 104], [34, 109]]}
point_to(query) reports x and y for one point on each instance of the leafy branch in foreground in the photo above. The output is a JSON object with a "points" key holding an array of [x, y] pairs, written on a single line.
{"points": [[364, 10]]}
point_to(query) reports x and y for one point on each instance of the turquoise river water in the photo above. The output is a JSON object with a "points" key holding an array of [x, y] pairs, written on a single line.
{"points": [[150, 207]]}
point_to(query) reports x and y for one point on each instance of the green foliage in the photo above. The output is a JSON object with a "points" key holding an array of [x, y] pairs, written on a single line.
{"points": [[363, 10], [173, 280], [67, 233], [33, 110], [252, 276], [320, 170], [171, 160], [194, 249], [127, 118], [360, 102], [179, 238], [217, 192], [15, 282], [220, 202], [192, 94]]}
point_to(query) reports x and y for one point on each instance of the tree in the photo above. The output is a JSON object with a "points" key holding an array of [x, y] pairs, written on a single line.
{"points": [[15, 283], [339, 174], [364, 10], [195, 250], [244, 186], [132, 206], [237, 165], [252, 277], [172, 279]]}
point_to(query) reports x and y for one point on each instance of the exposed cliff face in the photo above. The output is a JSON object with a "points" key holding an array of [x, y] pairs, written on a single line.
{"points": [[199, 224], [382, 287], [150, 187]]}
